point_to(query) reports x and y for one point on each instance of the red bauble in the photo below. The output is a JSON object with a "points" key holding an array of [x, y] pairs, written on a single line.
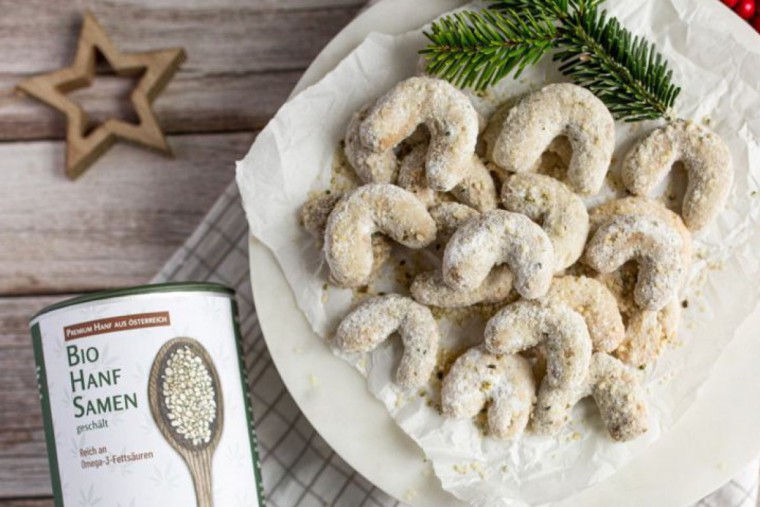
{"points": [[745, 8], [756, 22], [730, 3]]}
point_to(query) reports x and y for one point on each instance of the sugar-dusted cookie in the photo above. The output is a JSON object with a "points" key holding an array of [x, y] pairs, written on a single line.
{"points": [[500, 237], [429, 288], [476, 190], [653, 243], [370, 209], [567, 347], [449, 116], [525, 132], [562, 331], [703, 154], [374, 320], [552, 204], [596, 304], [616, 391], [503, 384]]}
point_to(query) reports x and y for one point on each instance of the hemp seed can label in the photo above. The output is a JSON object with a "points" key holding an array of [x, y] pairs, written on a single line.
{"points": [[145, 399]]}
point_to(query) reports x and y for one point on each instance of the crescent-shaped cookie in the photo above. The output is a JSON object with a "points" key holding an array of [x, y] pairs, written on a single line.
{"points": [[374, 320], [500, 237], [653, 243], [503, 384], [556, 110], [449, 116], [525, 324], [616, 391], [703, 154], [370, 209]]}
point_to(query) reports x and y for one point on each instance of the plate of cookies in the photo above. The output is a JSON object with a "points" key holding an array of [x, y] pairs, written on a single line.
{"points": [[513, 276]]}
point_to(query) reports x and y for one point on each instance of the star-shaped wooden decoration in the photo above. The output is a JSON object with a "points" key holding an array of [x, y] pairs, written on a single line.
{"points": [[83, 148]]}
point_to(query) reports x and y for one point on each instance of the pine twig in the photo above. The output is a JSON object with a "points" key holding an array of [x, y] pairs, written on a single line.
{"points": [[623, 70], [478, 49]]}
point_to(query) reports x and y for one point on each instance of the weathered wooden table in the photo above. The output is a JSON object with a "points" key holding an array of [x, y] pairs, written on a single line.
{"points": [[122, 220]]}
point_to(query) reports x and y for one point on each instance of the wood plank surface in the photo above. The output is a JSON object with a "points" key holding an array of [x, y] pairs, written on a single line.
{"points": [[243, 58], [186, 106], [114, 226], [27, 502], [23, 458]]}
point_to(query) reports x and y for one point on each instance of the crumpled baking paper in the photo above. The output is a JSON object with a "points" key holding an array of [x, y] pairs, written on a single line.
{"points": [[293, 157]]}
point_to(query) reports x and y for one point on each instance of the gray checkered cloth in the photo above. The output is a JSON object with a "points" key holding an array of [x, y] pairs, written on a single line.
{"points": [[298, 467]]}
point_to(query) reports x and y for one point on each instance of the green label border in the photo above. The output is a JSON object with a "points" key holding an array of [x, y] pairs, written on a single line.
{"points": [[248, 406], [47, 415]]}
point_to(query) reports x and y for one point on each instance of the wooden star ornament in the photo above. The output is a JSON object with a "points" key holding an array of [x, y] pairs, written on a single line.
{"points": [[83, 148]]}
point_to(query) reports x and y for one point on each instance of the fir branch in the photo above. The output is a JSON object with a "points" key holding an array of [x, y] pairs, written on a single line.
{"points": [[478, 49], [623, 70], [626, 72]]}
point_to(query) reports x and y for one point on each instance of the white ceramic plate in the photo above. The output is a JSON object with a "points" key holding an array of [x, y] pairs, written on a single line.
{"points": [[716, 437]]}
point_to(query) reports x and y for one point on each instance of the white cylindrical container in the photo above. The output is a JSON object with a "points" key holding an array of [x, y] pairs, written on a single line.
{"points": [[145, 399]]}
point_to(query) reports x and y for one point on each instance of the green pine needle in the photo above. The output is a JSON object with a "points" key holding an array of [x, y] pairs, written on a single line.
{"points": [[558, 9], [623, 70], [478, 49]]}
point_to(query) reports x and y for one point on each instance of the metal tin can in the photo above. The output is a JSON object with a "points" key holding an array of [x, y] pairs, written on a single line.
{"points": [[145, 399]]}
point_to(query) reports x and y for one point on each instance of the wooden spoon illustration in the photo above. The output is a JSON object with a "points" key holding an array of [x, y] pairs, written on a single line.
{"points": [[197, 454]]}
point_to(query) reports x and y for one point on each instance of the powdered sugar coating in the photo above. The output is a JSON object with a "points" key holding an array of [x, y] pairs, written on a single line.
{"points": [[429, 288], [476, 190], [703, 154], [500, 237], [596, 304], [566, 344], [316, 211], [411, 176], [557, 110], [562, 331], [449, 216], [619, 396], [370, 166], [554, 406], [560, 212], [449, 116], [503, 383], [370, 209], [616, 391], [374, 320], [653, 243], [647, 333], [646, 207]]}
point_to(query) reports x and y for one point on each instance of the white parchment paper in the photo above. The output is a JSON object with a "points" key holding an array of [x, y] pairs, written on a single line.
{"points": [[293, 157]]}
